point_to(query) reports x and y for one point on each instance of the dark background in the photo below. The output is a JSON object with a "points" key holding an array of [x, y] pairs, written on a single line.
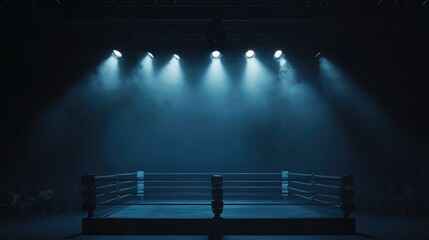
{"points": [[55, 127]]}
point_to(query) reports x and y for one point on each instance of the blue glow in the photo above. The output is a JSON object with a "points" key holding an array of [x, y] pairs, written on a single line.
{"points": [[340, 87], [295, 91], [146, 66], [215, 79], [169, 85], [334, 78], [171, 73], [246, 119], [107, 74], [257, 78]]}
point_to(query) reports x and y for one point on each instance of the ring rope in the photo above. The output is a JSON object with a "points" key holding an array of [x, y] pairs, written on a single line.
{"points": [[299, 190], [226, 193], [130, 181], [330, 177], [213, 173], [128, 188], [105, 176], [105, 186], [105, 193], [302, 183], [325, 185], [236, 204], [191, 193], [205, 180], [125, 174], [327, 195], [204, 187], [321, 201]]}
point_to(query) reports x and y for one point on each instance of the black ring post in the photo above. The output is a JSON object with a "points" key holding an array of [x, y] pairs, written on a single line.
{"points": [[88, 194], [217, 195], [347, 195]]}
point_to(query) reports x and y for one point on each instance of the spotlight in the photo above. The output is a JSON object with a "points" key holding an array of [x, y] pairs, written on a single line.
{"points": [[116, 54], [318, 55], [249, 54], [177, 57], [150, 55], [215, 54], [278, 54]]}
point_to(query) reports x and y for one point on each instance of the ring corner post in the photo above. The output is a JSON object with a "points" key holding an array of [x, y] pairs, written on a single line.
{"points": [[88, 194], [347, 195], [217, 195]]}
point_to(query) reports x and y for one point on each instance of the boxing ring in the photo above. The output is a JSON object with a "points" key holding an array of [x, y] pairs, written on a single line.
{"points": [[143, 203]]}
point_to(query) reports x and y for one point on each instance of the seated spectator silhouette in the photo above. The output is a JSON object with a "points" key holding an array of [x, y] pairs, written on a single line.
{"points": [[27, 201], [14, 203], [46, 197], [407, 197], [393, 199]]}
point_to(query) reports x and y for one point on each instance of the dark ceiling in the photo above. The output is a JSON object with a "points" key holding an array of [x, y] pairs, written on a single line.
{"points": [[199, 11]]}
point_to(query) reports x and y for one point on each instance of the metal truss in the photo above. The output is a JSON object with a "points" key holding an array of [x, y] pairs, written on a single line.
{"points": [[223, 3]]}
